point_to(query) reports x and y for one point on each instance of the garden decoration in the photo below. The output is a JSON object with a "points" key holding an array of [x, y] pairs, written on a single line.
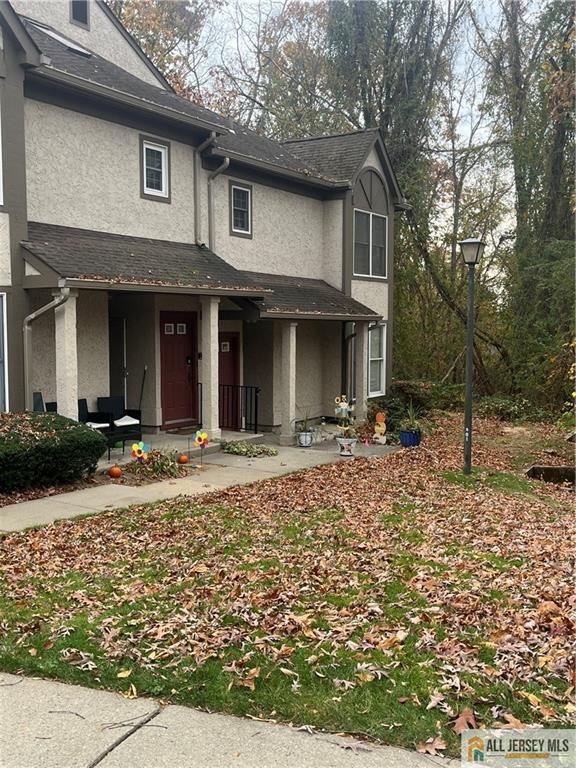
{"points": [[344, 412], [183, 458], [201, 441], [115, 472], [379, 435], [140, 451]]}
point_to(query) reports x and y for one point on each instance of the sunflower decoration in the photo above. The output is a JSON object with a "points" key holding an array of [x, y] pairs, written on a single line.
{"points": [[140, 451], [201, 439]]}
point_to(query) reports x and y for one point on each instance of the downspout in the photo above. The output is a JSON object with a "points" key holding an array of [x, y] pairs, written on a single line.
{"points": [[216, 172], [27, 331], [196, 175]]}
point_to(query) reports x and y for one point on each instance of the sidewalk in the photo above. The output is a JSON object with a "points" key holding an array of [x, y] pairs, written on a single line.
{"points": [[220, 471], [53, 725]]}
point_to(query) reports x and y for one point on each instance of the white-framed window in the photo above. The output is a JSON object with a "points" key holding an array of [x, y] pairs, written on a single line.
{"points": [[155, 170], [377, 360], [370, 244], [3, 355], [240, 210]]}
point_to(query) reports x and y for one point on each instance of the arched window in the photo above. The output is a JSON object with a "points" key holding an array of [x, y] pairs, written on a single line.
{"points": [[370, 226]]}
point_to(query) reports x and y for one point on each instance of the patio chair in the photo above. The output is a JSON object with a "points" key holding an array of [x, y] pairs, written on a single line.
{"points": [[126, 423]]}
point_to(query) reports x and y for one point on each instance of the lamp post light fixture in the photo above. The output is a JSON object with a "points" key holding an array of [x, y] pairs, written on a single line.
{"points": [[472, 250]]}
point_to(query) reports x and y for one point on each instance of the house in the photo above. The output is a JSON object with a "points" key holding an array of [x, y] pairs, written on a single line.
{"points": [[152, 248]]}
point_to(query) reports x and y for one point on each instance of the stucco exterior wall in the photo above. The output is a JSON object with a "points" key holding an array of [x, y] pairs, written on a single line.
{"points": [[332, 242], [85, 172], [103, 37], [5, 257], [287, 231], [373, 294], [318, 369], [92, 341]]}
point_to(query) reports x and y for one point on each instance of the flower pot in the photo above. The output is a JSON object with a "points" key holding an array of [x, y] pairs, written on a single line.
{"points": [[305, 439], [346, 445], [410, 438]]}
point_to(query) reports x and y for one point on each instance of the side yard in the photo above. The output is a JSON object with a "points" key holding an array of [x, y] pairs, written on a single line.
{"points": [[388, 597]]}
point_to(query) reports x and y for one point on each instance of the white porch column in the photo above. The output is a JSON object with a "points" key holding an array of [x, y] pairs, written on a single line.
{"points": [[361, 342], [210, 389], [66, 357], [288, 386]]}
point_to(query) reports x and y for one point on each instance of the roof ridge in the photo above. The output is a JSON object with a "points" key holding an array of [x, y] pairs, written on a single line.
{"points": [[330, 135]]}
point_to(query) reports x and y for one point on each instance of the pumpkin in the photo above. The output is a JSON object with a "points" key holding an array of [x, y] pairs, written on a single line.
{"points": [[183, 458], [115, 471]]}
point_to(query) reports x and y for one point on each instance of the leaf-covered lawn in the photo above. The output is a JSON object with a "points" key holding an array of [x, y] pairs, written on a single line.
{"points": [[382, 596]]}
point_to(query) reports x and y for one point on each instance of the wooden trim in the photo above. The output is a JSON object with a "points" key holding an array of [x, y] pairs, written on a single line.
{"points": [[143, 140], [248, 188]]}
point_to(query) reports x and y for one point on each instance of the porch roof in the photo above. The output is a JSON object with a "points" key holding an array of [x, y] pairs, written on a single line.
{"points": [[307, 299], [91, 259]]}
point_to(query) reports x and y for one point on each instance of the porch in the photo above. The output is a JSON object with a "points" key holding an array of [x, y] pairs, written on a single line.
{"points": [[199, 344]]}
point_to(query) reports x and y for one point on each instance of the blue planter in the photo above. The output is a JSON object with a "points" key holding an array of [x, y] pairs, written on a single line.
{"points": [[410, 438]]}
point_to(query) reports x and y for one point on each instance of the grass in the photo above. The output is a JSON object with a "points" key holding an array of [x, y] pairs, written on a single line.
{"points": [[342, 598]]}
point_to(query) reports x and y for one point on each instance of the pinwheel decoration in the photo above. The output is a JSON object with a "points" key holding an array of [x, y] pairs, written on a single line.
{"points": [[201, 441], [140, 451]]}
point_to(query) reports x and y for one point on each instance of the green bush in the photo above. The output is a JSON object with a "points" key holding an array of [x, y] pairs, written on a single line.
{"points": [[429, 395], [510, 408], [38, 449]]}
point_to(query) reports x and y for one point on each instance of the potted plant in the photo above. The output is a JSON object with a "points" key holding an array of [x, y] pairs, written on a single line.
{"points": [[303, 429], [410, 432], [345, 415]]}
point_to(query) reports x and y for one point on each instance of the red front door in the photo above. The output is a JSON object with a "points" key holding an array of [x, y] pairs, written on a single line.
{"points": [[179, 368], [229, 379]]}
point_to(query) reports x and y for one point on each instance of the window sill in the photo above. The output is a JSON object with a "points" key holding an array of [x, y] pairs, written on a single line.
{"points": [[157, 198], [246, 235], [376, 394], [370, 278]]}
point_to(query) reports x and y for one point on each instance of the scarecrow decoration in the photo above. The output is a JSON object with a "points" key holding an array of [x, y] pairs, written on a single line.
{"points": [[379, 435], [140, 451]]}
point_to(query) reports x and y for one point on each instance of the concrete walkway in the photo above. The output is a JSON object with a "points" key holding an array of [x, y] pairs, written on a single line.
{"points": [[52, 725], [220, 471]]}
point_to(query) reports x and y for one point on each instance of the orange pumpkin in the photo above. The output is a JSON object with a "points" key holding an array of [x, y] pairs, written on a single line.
{"points": [[183, 458], [115, 471]]}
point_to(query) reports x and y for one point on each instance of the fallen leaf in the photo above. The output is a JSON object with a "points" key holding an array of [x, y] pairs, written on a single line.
{"points": [[431, 746], [124, 673], [464, 721]]}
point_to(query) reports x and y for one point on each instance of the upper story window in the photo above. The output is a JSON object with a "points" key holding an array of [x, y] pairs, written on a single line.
{"points": [[80, 13], [240, 210], [370, 244], [155, 169]]}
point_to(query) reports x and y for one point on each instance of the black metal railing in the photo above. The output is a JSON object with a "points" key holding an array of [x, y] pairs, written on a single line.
{"points": [[238, 407]]}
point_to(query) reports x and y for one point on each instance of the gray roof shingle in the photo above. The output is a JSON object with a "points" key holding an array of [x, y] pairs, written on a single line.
{"points": [[306, 297], [85, 254], [100, 256], [337, 156], [233, 138]]}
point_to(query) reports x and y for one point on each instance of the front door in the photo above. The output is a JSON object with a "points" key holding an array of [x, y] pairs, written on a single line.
{"points": [[229, 379], [179, 368]]}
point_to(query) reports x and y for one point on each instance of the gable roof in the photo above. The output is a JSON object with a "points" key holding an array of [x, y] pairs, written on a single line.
{"points": [[338, 156], [326, 162], [343, 155], [112, 79]]}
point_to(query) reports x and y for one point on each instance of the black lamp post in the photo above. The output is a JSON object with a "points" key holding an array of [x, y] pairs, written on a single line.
{"points": [[472, 250]]}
